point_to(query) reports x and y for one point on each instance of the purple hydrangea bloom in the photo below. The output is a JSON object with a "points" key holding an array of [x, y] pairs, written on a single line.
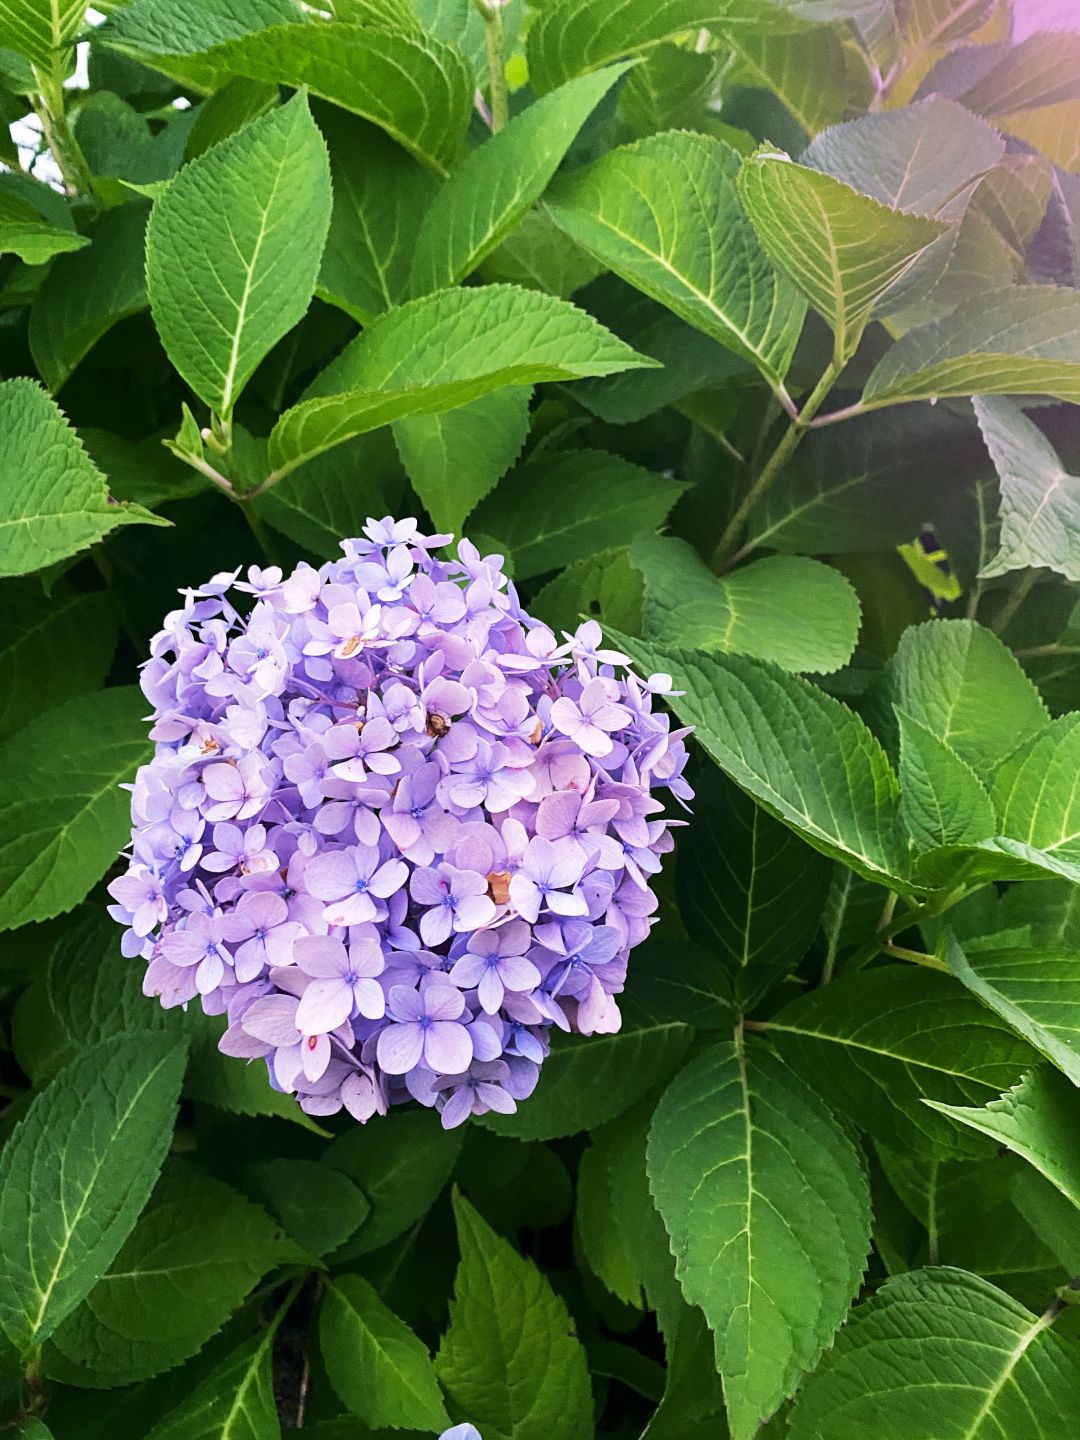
{"points": [[394, 831]]}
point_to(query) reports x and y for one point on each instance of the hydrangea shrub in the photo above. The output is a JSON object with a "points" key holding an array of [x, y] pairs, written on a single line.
{"points": [[596, 960]]}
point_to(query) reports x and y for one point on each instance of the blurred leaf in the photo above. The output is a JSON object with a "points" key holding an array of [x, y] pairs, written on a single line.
{"points": [[38, 28], [319, 1206], [51, 648]]}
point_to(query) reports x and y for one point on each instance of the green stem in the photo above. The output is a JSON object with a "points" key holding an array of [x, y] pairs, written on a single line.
{"points": [[262, 534], [896, 924], [1020, 592], [789, 442], [917, 957], [491, 10], [59, 136]]}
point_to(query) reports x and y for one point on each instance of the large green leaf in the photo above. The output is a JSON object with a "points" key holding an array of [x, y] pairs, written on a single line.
{"points": [[485, 197], [664, 214], [51, 648], [37, 29], [379, 192], [796, 612], [158, 28], [749, 889], [876, 1044], [510, 1354], [84, 295], [806, 758], [570, 505], [867, 485], [845, 250], [77, 1170], [196, 1251], [1040, 500], [63, 816], [234, 1402], [1023, 341], [945, 1353], [569, 37], [442, 351], [25, 232], [412, 86], [961, 683], [456, 458], [380, 1369], [1036, 1118], [1035, 990], [768, 1207], [808, 67], [923, 159], [585, 1082], [220, 307]]}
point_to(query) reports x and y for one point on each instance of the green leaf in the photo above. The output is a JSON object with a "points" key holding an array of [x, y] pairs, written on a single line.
{"points": [[440, 352], [604, 588], [1023, 341], [1040, 500], [665, 216], [414, 87], [867, 485], [960, 682], [333, 494], [1041, 70], [240, 1089], [569, 505], [379, 192], [942, 800], [587, 1081], [1035, 1119], [1036, 991], [456, 458], [220, 308], [63, 816], [77, 1170], [401, 1166], [484, 198], [24, 232], [598, 1241], [194, 1254], [156, 28], [796, 612], [806, 758], [843, 249], [51, 648], [37, 29], [679, 980], [234, 1402], [378, 1367], [319, 1206], [808, 67], [768, 1207], [749, 889], [944, 1343], [54, 501], [877, 1043], [923, 159], [510, 1354], [83, 296]]}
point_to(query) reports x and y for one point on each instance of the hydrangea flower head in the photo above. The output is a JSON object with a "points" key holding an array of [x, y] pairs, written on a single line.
{"points": [[394, 830]]}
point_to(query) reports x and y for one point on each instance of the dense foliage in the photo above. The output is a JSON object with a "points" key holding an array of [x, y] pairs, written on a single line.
{"points": [[748, 333]]}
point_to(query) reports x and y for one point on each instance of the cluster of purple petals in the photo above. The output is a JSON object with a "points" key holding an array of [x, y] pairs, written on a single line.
{"points": [[393, 830]]}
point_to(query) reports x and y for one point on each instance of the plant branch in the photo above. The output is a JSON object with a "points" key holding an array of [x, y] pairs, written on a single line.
{"points": [[789, 442], [1020, 592], [59, 136], [491, 10]]}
